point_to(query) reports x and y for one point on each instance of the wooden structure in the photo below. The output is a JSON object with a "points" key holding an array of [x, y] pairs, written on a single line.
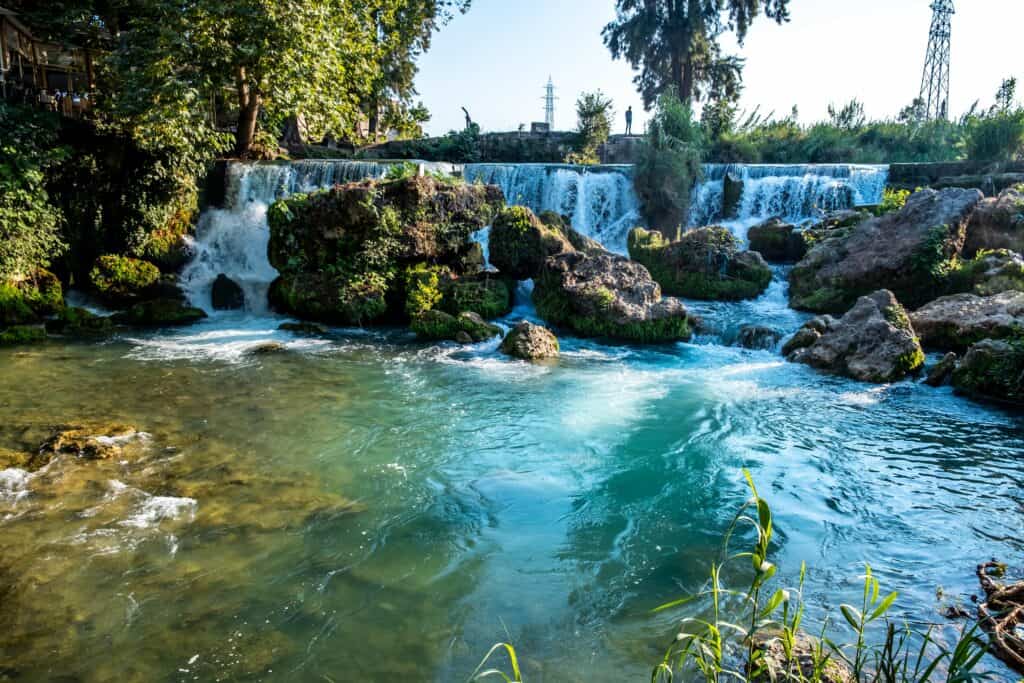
{"points": [[33, 70]]}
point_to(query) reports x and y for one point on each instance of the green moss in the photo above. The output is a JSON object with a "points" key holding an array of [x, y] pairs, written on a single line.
{"points": [[897, 317], [520, 243], [14, 309], [933, 261], [909, 362], [22, 334], [122, 277], [27, 299], [993, 369], [160, 312], [822, 300], [487, 295], [422, 289], [79, 322], [438, 325]]}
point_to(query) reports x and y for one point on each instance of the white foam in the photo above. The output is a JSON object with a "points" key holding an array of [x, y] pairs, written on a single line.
{"points": [[155, 509], [14, 484]]}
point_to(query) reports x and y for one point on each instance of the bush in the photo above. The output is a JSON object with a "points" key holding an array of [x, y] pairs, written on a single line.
{"points": [[594, 115], [121, 277]]}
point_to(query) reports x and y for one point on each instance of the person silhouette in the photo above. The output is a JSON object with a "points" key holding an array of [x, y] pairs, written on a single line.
{"points": [[629, 121]]}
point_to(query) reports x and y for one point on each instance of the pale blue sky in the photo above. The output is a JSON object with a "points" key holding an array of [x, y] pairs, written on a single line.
{"points": [[496, 59]]}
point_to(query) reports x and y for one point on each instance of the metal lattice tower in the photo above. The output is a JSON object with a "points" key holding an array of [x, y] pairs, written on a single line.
{"points": [[549, 104], [934, 96]]}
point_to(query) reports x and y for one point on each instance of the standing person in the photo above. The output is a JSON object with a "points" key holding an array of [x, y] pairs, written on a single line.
{"points": [[629, 121]]}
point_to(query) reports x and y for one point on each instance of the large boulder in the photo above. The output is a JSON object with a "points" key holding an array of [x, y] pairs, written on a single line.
{"points": [[989, 272], [993, 369], [122, 279], [909, 252], [759, 337], [873, 342], [340, 253], [577, 239], [732, 195], [464, 328], [160, 313], [28, 299], [79, 322], [777, 241], [997, 223], [530, 342], [958, 321], [520, 242], [608, 296], [705, 263], [485, 294], [227, 295]]}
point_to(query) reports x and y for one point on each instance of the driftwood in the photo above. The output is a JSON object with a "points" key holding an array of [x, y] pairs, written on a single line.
{"points": [[1002, 614]]}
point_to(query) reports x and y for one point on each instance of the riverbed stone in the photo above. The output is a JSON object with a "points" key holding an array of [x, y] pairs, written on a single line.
{"points": [[732, 195], [160, 313], [530, 342], [608, 296], [577, 239], [772, 664], [341, 252], [909, 252], [873, 342], [306, 328], [940, 373], [759, 337], [226, 295], [993, 369], [520, 242], [705, 263], [435, 325], [956, 322], [777, 241], [93, 441], [79, 322], [997, 223]]}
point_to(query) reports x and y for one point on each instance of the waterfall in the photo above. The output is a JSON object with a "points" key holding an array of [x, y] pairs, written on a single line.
{"points": [[233, 240], [599, 200]]}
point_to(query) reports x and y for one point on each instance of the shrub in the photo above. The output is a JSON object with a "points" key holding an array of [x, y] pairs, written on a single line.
{"points": [[892, 201], [594, 124]]}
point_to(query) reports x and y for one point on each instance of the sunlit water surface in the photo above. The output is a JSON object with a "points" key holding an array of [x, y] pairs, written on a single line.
{"points": [[365, 507]]}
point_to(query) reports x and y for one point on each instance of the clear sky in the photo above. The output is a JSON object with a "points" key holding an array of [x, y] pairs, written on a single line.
{"points": [[496, 59]]}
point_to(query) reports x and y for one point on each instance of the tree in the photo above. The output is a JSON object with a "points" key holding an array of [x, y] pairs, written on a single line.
{"points": [[594, 124], [674, 43]]}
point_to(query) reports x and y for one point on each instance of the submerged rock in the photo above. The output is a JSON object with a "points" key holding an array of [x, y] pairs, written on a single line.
{"points": [[307, 328], [997, 223], [759, 337], [955, 322], [465, 328], [908, 252], [17, 335], [160, 313], [90, 442], [340, 252], [520, 242], [993, 369], [79, 322], [266, 349], [777, 241], [227, 295], [940, 373], [704, 263], [530, 342], [608, 296], [873, 342]]}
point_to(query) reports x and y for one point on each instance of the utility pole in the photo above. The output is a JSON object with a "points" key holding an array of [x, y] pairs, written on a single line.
{"points": [[934, 97]]}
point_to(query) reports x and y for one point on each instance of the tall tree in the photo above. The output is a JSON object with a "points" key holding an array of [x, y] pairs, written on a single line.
{"points": [[674, 43]]}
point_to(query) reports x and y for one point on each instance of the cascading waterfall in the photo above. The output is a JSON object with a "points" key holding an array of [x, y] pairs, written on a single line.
{"points": [[233, 240]]}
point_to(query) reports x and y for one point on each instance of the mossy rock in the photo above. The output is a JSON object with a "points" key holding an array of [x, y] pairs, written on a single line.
{"points": [[304, 328], [705, 263], [438, 326], [122, 279], [78, 322], [485, 294], [993, 370], [17, 335], [160, 313], [520, 242], [27, 300], [337, 300]]}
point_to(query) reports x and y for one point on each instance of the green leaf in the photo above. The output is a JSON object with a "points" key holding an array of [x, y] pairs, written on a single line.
{"points": [[852, 615], [884, 606]]}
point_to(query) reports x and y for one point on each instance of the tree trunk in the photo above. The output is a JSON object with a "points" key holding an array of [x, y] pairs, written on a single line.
{"points": [[248, 111]]}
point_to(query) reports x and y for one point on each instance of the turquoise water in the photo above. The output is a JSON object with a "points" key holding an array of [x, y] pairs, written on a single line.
{"points": [[366, 507]]}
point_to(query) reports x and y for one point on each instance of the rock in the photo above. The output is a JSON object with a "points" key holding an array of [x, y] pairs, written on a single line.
{"points": [[530, 342], [873, 342], [732, 195], [438, 326], [91, 442], [939, 374], [27, 300], [159, 313], [227, 295], [486, 294], [169, 249], [17, 335], [608, 296], [341, 253], [908, 252], [266, 349], [997, 223], [122, 279], [993, 369], [307, 328], [472, 259], [989, 272], [758, 337], [704, 263], [577, 239], [777, 241], [78, 322], [520, 243], [958, 321], [773, 665], [463, 337]]}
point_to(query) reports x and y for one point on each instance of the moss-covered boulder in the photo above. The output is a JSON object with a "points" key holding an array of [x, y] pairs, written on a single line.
{"points": [[78, 322], [160, 313], [122, 279], [910, 252], [17, 335], [520, 242], [705, 263], [997, 223], [342, 253], [994, 370], [608, 296], [486, 294], [436, 325], [777, 241], [577, 239], [530, 342], [226, 295], [27, 300], [956, 322], [988, 272], [873, 342]]}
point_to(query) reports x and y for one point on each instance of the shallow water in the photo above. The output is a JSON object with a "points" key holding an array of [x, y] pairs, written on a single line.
{"points": [[370, 508]]}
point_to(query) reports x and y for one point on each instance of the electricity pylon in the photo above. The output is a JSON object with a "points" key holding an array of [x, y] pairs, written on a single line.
{"points": [[934, 97]]}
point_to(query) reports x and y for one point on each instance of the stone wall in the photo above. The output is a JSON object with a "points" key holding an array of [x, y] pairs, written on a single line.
{"points": [[515, 147], [990, 178]]}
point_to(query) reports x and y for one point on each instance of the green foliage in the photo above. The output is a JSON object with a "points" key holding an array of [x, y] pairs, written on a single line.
{"points": [[892, 201], [438, 326], [998, 134], [29, 222], [669, 164], [22, 334], [422, 291], [122, 276], [26, 300], [489, 296], [594, 124]]}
